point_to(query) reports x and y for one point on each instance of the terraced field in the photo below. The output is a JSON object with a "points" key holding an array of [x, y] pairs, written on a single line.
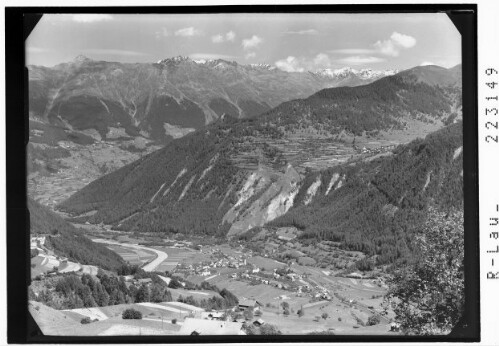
{"points": [[85, 164], [134, 257]]}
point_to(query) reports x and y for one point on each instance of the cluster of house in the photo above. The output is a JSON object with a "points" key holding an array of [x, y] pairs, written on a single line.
{"points": [[305, 288], [215, 323], [263, 280], [377, 150], [322, 293], [208, 268], [37, 242], [130, 280]]}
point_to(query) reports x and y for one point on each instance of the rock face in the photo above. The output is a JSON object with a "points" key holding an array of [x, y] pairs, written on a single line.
{"points": [[265, 196], [167, 99]]}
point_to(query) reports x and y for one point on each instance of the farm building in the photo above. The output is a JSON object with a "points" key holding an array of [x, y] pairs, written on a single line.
{"points": [[216, 315], [355, 276], [286, 237], [205, 273], [247, 303], [37, 242], [128, 278], [146, 281], [196, 326], [259, 322]]}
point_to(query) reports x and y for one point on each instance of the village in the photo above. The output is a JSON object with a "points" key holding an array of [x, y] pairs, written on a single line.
{"points": [[266, 287]]}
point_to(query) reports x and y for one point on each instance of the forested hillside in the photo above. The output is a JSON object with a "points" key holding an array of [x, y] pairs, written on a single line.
{"points": [[234, 175], [382, 203], [428, 94], [67, 241]]}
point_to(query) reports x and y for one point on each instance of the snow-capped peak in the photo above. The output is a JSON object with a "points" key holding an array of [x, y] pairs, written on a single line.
{"points": [[81, 58], [175, 59], [263, 66], [348, 71], [370, 73]]}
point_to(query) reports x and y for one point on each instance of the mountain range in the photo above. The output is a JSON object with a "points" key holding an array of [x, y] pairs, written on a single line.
{"points": [[168, 99]]}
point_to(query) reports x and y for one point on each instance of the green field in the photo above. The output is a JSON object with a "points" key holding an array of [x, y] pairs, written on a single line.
{"points": [[133, 256], [175, 256], [267, 263]]}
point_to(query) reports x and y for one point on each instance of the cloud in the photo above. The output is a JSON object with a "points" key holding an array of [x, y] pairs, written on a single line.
{"points": [[211, 56], [353, 51], [163, 33], [90, 18], [302, 32], [188, 32], [360, 60], [402, 40], [219, 38], [230, 36], [387, 48], [105, 51], [294, 64], [290, 64], [426, 63], [250, 55], [322, 60], [394, 44], [253, 42]]}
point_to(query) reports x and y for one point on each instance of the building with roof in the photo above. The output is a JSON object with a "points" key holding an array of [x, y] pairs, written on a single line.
{"points": [[196, 326], [146, 281], [247, 303], [259, 322]]}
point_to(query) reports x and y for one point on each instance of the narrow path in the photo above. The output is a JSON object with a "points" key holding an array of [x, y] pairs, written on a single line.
{"points": [[211, 277]]}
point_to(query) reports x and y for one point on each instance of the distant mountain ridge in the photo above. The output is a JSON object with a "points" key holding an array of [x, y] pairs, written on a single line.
{"points": [[348, 76], [425, 95], [174, 95]]}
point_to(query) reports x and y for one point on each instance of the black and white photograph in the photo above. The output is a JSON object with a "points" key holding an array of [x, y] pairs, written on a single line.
{"points": [[246, 173]]}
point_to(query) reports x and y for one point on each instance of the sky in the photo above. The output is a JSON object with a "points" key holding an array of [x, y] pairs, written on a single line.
{"points": [[294, 42]]}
